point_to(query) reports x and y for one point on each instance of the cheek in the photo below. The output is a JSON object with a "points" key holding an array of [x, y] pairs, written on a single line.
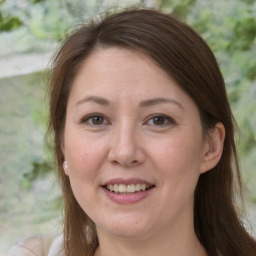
{"points": [[179, 151], [178, 161], [84, 164], [84, 155]]}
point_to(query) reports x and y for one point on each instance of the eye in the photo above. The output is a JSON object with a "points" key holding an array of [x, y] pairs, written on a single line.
{"points": [[94, 120], [160, 120]]}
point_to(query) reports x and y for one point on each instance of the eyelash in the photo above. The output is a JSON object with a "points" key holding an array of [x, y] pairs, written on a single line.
{"points": [[167, 120]]}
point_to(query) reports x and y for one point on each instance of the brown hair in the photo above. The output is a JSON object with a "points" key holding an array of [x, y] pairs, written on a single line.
{"points": [[184, 55]]}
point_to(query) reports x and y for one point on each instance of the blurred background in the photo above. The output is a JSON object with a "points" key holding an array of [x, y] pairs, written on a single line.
{"points": [[30, 33]]}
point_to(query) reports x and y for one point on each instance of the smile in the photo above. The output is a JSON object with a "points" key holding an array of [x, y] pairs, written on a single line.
{"points": [[127, 189]]}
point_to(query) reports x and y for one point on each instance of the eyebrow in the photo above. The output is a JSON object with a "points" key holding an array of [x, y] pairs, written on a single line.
{"points": [[96, 99], [145, 103], [156, 101]]}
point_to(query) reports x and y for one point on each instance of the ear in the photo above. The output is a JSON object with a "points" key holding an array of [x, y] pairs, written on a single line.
{"points": [[214, 142], [65, 163], [65, 167]]}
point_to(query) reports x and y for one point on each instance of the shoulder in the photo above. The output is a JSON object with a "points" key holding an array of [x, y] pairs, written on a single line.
{"points": [[32, 246], [57, 247], [38, 246]]}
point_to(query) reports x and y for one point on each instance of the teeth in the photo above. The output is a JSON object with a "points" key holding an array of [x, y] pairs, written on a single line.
{"points": [[122, 188], [138, 187], [116, 188], [131, 188]]}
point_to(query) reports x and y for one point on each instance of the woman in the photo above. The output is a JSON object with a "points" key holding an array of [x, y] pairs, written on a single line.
{"points": [[144, 142]]}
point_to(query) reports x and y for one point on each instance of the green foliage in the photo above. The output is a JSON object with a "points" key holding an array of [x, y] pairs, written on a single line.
{"points": [[39, 170], [246, 30], [8, 22], [179, 8], [45, 19], [48, 20]]}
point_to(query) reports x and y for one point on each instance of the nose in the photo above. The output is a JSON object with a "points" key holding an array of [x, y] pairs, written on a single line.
{"points": [[125, 147]]}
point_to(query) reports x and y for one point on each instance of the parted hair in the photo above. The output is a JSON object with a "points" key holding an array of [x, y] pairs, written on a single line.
{"points": [[181, 52]]}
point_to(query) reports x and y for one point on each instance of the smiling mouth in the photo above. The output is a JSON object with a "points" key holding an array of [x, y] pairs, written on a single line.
{"points": [[127, 189]]}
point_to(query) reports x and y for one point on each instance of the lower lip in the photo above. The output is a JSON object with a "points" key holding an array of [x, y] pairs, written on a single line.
{"points": [[127, 198]]}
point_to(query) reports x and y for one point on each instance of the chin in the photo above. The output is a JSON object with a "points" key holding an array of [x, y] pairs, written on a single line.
{"points": [[126, 229]]}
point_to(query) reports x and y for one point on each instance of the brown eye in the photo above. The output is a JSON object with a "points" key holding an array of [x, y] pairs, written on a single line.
{"points": [[159, 120], [97, 120], [94, 120]]}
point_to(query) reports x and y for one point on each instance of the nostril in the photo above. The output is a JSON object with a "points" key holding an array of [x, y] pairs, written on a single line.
{"points": [[114, 162]]}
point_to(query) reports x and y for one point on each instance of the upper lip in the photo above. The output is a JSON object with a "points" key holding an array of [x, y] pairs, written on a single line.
{"points": [[127, 181]]}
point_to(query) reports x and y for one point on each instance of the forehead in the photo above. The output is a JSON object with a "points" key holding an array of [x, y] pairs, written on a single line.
{"points": [[121, 70], [114, 62]]}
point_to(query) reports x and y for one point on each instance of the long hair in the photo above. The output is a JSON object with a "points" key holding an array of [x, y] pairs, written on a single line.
{"points": [[183, 54]]}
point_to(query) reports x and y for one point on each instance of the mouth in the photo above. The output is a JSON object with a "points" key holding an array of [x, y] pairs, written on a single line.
{"points": [[128, 188], [128, 191]]}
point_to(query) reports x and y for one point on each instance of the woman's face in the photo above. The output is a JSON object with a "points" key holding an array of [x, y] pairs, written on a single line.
{"points": [[134, 145]]}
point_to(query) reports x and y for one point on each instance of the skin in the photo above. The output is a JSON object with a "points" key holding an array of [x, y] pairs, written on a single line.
{"points": [[125, 141]]}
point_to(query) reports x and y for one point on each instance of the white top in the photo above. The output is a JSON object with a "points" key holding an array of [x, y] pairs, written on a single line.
{"points": [[38, 246]]}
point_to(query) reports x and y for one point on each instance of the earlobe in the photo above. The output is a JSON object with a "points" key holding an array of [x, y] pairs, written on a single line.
{"points": [[65, 167], [215, 141], [65, 163]]}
